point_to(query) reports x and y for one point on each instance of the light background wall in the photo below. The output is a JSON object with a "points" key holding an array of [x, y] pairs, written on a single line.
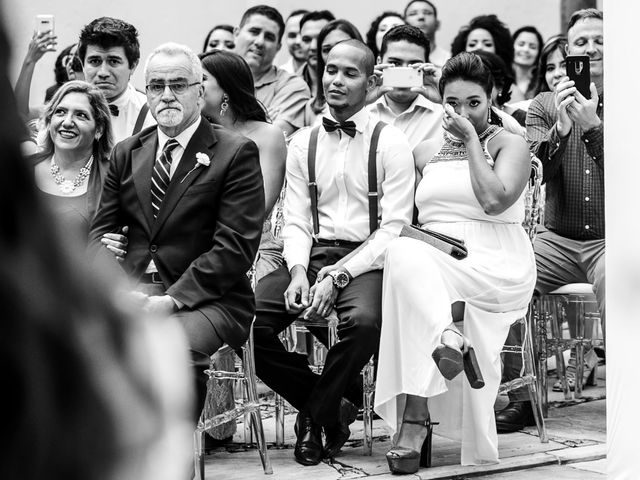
{"points": [[187, 21]]}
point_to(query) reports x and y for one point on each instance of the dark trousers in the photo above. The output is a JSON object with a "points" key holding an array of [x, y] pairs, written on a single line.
{"points": [[359, 310], [559, 261], [203, 342]]}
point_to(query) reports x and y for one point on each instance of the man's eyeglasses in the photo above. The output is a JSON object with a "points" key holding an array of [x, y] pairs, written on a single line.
{"points": [[176, 87]]}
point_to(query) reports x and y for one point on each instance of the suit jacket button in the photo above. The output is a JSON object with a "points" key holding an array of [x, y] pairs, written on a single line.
{"points": [[153, 248]]}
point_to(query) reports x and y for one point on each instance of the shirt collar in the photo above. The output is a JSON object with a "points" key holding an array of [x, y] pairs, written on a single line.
{"points": [[420, 102], [269, 77], [183, 137], [360, 118], [124, 99]]}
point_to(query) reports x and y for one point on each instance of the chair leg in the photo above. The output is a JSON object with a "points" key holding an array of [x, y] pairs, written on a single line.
{"points": [[540, 322], [528, 354], [368, 388], [579, 347], [252, 393], [557, 319], [279, 404], [198, 453]]}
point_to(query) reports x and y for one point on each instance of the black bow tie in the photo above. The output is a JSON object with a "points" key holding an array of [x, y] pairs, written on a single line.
{"points": [[348, 127], [114, 109]]}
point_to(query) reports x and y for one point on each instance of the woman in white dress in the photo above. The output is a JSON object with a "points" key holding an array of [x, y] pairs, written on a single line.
{"points": [[471, 188]]}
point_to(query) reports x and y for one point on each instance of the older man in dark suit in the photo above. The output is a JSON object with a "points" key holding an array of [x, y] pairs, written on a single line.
{"points": [[193, 199]]}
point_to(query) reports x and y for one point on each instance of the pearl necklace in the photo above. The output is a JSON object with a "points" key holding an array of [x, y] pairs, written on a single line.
{"points": [[67, 186]]}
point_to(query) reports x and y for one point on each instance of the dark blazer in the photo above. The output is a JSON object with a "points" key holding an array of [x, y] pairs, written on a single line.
{"points": [[208, 229]]}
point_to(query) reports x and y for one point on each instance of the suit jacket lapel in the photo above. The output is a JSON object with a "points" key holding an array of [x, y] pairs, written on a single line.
{"points": [[142, 160], [203, 140]]}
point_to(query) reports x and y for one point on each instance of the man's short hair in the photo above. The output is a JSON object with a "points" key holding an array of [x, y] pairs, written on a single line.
{"points": [[583, 15], [315, 16], [171, 48], [266, 11], [295, 13], [368, 59], [408, 34], [108, 32], [435, 10]]}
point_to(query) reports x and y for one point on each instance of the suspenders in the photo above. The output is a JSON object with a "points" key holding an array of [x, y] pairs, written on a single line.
{"points": [[373, 178], [140, 120]]}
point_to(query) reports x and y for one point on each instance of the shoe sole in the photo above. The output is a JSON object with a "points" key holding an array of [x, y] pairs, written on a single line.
{"points": [[448, 360], [305, 462]]}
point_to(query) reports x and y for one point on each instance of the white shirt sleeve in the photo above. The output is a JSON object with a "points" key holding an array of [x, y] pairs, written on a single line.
{"points": [[297, 233]]}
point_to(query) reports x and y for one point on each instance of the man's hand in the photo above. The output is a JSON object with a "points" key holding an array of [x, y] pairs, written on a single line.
{"points": [[296, 296], [584, 112], [160, 305], [379, 90], [323, 294], [430, 78], [564, 96], [116, 243], [325, 270]]}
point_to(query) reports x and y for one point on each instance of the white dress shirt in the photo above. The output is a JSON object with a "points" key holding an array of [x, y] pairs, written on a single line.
{"points": [[129, 105], [343, 203], [183, 139], [421, 121]]}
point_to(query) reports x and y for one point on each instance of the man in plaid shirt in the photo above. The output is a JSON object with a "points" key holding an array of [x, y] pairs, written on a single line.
{"points": [[565, 131]]}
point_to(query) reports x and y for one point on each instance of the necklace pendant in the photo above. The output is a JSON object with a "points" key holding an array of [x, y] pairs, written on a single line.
{"points": [[67, 187]]}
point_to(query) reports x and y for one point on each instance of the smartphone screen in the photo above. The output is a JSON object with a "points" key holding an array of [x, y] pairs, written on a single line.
{"points": [[578, 71]]}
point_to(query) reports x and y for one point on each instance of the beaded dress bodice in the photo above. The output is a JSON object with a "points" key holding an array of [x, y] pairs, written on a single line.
{"points": [[445, 193]]}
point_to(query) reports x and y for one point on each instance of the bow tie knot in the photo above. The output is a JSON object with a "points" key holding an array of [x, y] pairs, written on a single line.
{"points": [[115, 111], [348, 127]]}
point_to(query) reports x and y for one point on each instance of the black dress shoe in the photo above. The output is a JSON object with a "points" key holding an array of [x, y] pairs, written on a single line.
{"points": [[308, 450], [515, 416], [337, 434]]}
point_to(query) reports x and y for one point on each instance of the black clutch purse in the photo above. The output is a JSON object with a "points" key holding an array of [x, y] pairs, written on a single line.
{"points": [[449, 245]]}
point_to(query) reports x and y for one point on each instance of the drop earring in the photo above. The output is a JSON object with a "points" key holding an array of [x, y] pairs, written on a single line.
{"points": [[489, 115], [225, 105]]}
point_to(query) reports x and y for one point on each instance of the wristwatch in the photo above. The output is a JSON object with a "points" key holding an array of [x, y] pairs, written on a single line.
{"points": [[340, 278]]}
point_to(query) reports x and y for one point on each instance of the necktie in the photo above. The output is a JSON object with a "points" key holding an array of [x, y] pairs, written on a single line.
{"points": [[160, 177], [348, 127], [115, 111]]}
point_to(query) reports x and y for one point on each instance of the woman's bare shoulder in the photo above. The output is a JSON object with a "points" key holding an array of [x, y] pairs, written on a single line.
{"points": [[424, 151]]}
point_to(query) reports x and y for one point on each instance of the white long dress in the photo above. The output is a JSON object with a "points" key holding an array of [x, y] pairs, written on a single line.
{"points": [[495, 281]]}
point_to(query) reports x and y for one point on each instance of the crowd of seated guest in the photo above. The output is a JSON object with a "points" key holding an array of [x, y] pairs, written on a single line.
{"points": [[175, 189]]}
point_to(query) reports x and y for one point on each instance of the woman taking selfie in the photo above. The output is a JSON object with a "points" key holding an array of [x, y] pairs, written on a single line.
{"points": [[75, 142], [471, 188]]}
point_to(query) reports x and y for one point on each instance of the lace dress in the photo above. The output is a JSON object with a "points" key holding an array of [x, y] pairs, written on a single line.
{"points": [[495, 281]]}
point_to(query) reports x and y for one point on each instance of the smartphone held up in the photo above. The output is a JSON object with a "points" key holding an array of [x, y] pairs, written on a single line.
{"points": [[44, 23], [578, 71], [401, 77], [44, 26]]}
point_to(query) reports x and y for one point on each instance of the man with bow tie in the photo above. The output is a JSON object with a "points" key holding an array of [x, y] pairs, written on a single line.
{"points": [[192, 196], [110, 52], [349, 191]]}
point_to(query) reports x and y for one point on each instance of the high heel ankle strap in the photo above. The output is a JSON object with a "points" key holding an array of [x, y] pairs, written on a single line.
{"points": [[453, 330], [423, 423]]}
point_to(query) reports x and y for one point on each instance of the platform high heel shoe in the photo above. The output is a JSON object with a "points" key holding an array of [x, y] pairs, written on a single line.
{"points": [[403, 460], [451, 361]]}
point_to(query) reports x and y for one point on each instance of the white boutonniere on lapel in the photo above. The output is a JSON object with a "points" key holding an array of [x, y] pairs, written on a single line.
{"points": [[202, 159]]}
